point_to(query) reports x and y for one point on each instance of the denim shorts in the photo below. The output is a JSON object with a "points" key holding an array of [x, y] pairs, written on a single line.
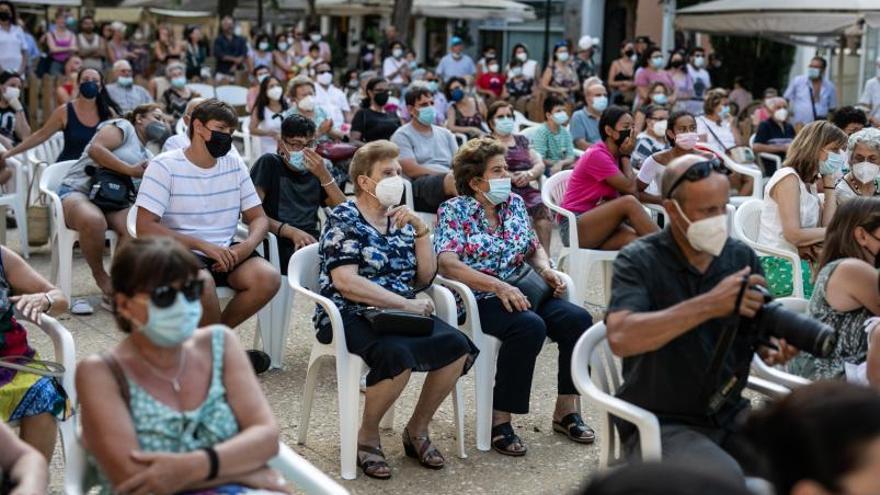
{"points": [[64, 191]]}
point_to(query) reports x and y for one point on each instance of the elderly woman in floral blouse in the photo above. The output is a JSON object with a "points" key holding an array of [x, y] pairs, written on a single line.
{"points": [[484, 240]]}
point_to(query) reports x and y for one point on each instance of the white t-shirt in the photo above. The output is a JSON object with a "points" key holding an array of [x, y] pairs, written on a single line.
{"points": [[651, 173], [12, 43], [198, 202], [770, 231], [716, 135], [871, 96], [333, 101], [390, 66]]}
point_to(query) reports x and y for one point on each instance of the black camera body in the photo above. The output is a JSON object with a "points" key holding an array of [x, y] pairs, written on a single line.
{"points": [[803, 332]]}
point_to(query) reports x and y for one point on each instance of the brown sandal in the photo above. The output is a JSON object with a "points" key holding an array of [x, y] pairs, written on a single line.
{"points": [[425, 453], [371, 466]]}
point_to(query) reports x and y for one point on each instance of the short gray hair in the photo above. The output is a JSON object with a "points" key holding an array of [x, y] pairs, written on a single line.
{"points": [[172, 66], [869, 136], [121, 64]]}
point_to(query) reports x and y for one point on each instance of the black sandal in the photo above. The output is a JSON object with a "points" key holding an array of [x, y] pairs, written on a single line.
{"points": [[425, 452], [573, 426], [368, 466], [503, 437]]}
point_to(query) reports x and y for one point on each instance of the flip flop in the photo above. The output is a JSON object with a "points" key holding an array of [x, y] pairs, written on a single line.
{"points": [[107, 303], [81, 307]]}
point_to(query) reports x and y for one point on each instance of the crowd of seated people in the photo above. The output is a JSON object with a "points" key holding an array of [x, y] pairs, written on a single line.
{"points": [[454, 139]]}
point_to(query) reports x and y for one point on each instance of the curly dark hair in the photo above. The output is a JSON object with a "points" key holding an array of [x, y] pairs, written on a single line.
{"points": [[470, 161], [847, 115]]}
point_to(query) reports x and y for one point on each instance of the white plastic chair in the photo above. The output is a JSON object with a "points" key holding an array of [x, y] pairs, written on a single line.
{"points": [[54, 144], [251, 148], [62, 238], [180, 127], [750, 170], [579, 262], [597, 377], [293, 467], [747, 223], [204, 90], [777, 161], [521, 121], [762, 370], [17, 199], [428, 218], [303, 278], [489, 346], [271, 327], [234, 95], [65, 355], [530, 132]]}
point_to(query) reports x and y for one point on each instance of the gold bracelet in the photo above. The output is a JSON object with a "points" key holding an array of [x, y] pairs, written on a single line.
{"points": [[423, 233], [331, 181]]}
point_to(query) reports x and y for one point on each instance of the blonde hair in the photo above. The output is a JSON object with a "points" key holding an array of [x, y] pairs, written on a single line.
{"points": [[713, 98], [803, 154], [298, 81], [368, 155]]}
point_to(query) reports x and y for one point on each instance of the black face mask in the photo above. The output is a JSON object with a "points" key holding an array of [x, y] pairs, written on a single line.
{"points": [[220, 144], [5, 16], [677, 63], [380, 98], [624, 135], [629, 53]]}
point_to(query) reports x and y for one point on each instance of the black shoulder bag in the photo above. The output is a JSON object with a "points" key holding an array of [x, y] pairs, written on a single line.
{"points": [[528, 281], [110, 191]]}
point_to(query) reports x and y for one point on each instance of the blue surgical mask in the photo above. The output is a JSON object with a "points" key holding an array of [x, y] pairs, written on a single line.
{"points": [[499, 190], [433, 86], [504, 125], [660, 98], [296, 160], [125, 81], [171, 326], [814, 72], [426, 115], [560, 117], [833, 164], [600, 103], [457, 94], [657, 62], [725, 111]]}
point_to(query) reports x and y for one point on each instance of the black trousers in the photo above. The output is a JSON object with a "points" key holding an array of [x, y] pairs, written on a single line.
{"points": [[522, 335]]}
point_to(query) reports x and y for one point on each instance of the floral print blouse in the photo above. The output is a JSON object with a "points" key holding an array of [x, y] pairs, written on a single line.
{"points": [[388, 260], [462, 228]]}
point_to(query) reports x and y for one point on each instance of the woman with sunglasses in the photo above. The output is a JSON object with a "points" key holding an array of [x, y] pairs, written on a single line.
{"points": [[172, 407], [601, 190], [793, 216]]}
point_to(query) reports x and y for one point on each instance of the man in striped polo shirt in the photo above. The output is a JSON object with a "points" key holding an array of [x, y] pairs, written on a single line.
{"points": [[196, 195]]}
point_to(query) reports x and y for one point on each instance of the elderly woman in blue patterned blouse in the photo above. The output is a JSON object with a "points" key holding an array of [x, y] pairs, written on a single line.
{"points": [[485, 240], [376, 253]]}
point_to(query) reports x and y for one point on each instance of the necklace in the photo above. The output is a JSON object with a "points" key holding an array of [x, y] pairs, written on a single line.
{"points": [[175, 381]]}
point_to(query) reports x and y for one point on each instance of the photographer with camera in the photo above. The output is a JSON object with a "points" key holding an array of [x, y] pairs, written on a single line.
{"points": [[686, 315]]}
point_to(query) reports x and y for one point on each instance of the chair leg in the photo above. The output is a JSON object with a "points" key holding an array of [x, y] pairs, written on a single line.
{"points": [[484, 383], [54, 260], [349, 377], [68, 437], [308, 395], [274, 334], [65, 269], [21, 220], [606, 440], [458, 411]]}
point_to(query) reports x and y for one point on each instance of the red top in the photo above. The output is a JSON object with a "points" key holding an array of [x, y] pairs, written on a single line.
{"points": [[492, 81]]}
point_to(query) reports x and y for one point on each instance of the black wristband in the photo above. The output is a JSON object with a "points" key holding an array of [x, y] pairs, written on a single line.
{"points": [[214, 462], [280, 228]]}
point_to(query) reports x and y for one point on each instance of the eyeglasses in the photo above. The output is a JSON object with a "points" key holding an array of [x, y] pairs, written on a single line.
{"points": [[165, 295], [698, 172], [299, 146]]}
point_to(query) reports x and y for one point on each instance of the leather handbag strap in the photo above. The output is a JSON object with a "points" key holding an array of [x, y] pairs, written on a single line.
{"points": [[118, 377]]}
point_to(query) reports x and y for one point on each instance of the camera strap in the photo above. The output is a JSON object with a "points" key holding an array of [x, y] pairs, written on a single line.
{"points": [[717, 392]]}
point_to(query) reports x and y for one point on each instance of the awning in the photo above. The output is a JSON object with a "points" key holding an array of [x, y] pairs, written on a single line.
{"points": [[445, 9], [66, 3], [777, 17], [128, 15]]}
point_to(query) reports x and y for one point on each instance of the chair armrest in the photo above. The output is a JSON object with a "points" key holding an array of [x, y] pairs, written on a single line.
{"points": [[463, 291], [760, 369], [767, 388], [303, 474], [444, 304], [569, 287], [65, 351], [332, 312], [54, 203], [645, 421]]}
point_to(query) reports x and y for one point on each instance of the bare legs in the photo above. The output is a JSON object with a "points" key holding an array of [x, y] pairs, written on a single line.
{"points": [[39, 432], [91, 223], [614, 224]]}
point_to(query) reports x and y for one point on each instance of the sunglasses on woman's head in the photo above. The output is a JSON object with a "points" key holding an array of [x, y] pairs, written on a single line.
{"points": [[699, 171], [165, 295]]}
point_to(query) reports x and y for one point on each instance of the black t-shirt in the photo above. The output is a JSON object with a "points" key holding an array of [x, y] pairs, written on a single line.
{"points": [[7, 124], [290, 197], [769, 132], [374, 125], [652, 274]]}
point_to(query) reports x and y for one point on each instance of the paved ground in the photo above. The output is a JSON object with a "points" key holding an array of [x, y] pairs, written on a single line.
{"points": [[553, 464]]}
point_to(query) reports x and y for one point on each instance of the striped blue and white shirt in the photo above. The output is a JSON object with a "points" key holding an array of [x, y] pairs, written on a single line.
{"points": [[204, 203]]}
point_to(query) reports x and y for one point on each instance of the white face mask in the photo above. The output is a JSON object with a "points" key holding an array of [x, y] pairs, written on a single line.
{"points": [[523, 56], [274, 93], [659, 128], [865, 172], [325, 79], [780, 115], [707, 235], [11, 93], [389, 191], [307, 104]]}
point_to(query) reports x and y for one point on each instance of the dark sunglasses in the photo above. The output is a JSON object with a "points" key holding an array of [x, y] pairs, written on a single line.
{"points": [[698, 172], [165, 295]]}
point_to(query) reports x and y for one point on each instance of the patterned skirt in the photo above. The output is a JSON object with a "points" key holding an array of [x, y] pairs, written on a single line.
{"points": [[24, 394]]}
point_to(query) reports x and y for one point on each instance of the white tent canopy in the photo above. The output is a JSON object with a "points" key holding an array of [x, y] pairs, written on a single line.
{"points": [[778, 17], [452, 9]]}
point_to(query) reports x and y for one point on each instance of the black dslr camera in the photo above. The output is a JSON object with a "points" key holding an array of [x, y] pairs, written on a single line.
{"points": [[803, 332]]}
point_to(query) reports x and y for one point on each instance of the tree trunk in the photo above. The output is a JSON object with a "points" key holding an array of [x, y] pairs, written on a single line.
{"points": [[401, 17]]}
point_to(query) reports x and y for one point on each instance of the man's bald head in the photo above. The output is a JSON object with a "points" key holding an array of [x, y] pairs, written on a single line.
{"points": [[187, 113], [676, 169]]}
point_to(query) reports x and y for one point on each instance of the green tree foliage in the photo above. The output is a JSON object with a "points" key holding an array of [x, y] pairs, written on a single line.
{"points": [[761, 63]]}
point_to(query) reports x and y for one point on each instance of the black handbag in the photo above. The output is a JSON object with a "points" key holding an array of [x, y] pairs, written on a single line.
{"points": [[110, 191], [398, 322], [531, 284]]}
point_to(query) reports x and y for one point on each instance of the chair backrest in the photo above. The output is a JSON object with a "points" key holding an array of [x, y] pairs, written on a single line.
{"points": [[408, 195], [234, 95], [54, 145], [747, 221], [603, 369], [795, 304], [304, 267], [530, 132], [131, 221], [556, 185], [204, 90], [54, 174], [180, 127]]}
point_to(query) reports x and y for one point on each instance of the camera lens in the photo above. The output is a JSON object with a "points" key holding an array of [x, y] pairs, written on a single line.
{"points": [[798, 330]]}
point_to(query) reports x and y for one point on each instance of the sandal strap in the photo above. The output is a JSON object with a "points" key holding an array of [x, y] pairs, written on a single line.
{"points": [[508, 436], [574, 421], [426, 447], [369, 449]]}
